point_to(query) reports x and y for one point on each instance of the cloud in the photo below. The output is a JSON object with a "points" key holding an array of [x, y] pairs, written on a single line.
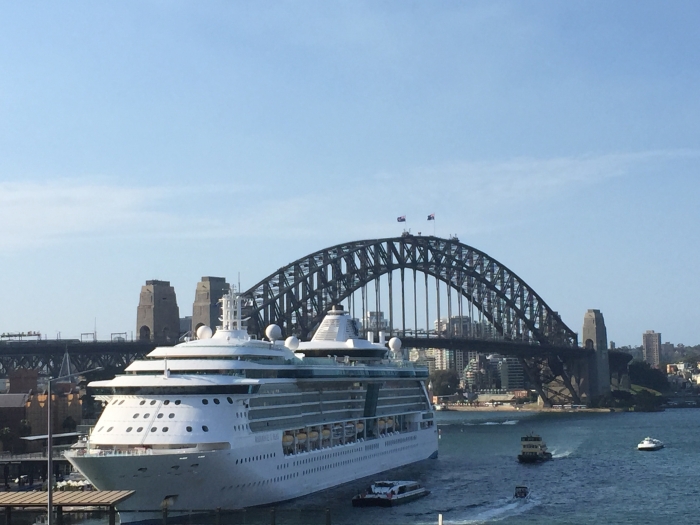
{"points": [[45, 213]]}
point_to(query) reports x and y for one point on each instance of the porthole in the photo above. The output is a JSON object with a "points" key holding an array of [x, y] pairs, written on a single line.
{"points": [[230, 401], [143, 402], [205, 428], [160, 416], [166, 402], [153, 429], [115, 401], [146, 415], [121, 402], [129, 429], [216, 401], [177, 402], [139, 429], [171, 416], [110, 429], [189, 429], [165, 429], [100, 429], [194, 465], [136, 415], [205, 401], [153, 402]]}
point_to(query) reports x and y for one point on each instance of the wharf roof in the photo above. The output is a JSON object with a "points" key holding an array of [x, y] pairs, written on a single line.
{"points": [[36, 498]]}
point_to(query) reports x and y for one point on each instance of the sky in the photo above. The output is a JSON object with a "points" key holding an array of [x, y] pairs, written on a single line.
{"points": [[171, 140]]}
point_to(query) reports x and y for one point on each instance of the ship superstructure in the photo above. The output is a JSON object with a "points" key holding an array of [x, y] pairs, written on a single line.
{"points": [[226, 421]]}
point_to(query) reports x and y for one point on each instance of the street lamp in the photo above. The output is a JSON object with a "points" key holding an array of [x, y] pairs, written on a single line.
{"points": [[49, 444]]}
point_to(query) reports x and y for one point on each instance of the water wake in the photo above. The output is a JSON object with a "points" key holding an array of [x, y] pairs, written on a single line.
{"points": [[496, 511]]}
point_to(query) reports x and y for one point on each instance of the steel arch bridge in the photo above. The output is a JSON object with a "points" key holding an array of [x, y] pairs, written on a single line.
{"points": [[297, 296]]}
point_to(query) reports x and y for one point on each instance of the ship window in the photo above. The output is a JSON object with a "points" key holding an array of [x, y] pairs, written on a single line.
{"points": [[205, 401], [189, 429], [129, 429], [205, 428], [153, 429], [230, 401], [194, 465], [216, 401], [142, 402], [115, 401], [177, 402], [146, 415], [110, 429], [153, 402], [139, 429], [165, 429], [100, 429], [166, 402], [136, 415]]}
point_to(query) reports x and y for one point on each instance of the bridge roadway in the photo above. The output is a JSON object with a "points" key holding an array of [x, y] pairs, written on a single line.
{"points": [[47, 355]]}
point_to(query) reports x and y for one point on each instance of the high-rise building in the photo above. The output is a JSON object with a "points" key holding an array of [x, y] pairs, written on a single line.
{"points": [[512, 374], [651, 347]]}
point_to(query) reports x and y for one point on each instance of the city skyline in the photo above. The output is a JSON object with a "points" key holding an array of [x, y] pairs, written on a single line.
{"points": [[173, 141]]}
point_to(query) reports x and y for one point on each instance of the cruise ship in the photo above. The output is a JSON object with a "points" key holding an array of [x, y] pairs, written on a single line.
{"points": [[226, 421]]}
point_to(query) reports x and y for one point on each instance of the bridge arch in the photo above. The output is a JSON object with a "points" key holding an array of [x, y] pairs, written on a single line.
{"points": [[297, 296]]}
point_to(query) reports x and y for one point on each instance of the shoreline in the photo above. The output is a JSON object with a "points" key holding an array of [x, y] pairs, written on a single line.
{"points": [[521, 408]]}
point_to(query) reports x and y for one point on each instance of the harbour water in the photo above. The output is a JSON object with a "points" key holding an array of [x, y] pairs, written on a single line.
{"points": [[596, 475]]}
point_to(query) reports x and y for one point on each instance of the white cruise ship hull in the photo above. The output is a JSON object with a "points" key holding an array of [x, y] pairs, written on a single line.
{"points": [[257, 474]]}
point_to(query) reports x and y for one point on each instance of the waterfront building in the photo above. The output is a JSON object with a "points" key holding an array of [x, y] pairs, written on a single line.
{"points": [[651, 347]]}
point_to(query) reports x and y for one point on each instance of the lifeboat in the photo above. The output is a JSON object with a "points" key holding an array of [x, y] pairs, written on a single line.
{"points": [[287, 440], [360, 426], [301, 438], [381, 423], [313, 436], [325, 433], [390, 423], [349, 430], [337, 431]]}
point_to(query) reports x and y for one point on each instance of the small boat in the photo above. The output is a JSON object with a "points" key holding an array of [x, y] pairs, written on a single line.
{"points": [[389, 494], [521, 492], [533, 449], [650, 444]]}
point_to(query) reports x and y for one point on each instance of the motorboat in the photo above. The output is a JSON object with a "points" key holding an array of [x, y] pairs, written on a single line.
{"points": [[389, 494], [521, 492], [650, 444], [533, 449]]}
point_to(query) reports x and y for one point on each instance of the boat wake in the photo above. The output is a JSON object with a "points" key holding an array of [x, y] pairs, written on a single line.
{"points": [[496, 511], [563, 454]]}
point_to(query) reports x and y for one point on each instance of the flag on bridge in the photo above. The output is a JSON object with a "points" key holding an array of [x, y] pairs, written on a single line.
{"points": [[431, 217], [401, 219]]}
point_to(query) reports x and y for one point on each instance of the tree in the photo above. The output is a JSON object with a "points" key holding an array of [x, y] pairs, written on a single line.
{"points": [[642, 374], [445, 382]]}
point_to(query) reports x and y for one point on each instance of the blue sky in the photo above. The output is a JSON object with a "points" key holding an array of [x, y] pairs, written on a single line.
{"points": [[172, 140]]}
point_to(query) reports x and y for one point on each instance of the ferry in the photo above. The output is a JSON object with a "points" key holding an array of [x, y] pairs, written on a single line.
{"points": [[533, 449], [227, 421], [389, 494]]}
